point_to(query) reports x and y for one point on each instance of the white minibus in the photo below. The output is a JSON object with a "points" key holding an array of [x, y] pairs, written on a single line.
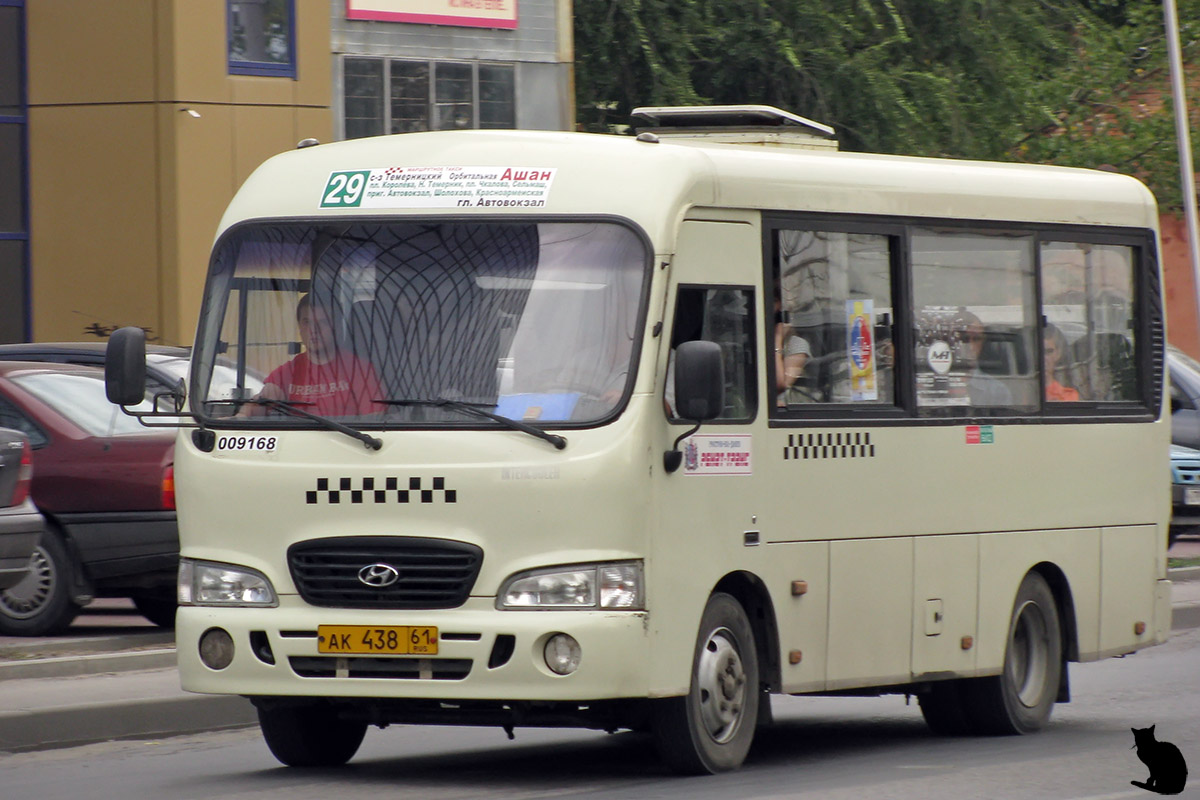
{"points": [[634, 432]]}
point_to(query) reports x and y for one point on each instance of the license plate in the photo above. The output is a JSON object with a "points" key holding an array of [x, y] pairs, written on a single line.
{"points": [[388, 640], [1191, 496]]}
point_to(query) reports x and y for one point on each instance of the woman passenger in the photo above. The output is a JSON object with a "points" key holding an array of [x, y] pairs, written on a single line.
{"points": [[1055, 352]]}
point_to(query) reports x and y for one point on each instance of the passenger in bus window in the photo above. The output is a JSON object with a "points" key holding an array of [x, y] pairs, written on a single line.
{"points": [[323, 379], [1058, 388], [792, 353], [982, 389]]}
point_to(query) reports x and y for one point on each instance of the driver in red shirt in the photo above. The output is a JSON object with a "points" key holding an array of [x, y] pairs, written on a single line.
{"points": [[323, 379]]}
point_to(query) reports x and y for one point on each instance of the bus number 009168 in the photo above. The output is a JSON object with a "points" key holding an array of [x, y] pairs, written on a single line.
{"points": [[256, 443]]}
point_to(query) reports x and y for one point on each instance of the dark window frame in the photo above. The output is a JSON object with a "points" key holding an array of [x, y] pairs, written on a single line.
{"points": [[211, 346], [20, 119], [754, 403], [897, 236], [1148, 325], [268, 69]]}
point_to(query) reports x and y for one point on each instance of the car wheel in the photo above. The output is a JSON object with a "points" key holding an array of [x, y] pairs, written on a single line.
{"points": [[41, 603], [159, 609], [310, 734], [1020, 699], [710, 728]]}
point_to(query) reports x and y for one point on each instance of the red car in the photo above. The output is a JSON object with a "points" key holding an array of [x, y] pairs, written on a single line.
{"points": [[105, 485]]}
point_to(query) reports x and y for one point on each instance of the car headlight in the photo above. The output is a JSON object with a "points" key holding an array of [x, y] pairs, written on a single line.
{"points": [[582, 586], [203, 583]]}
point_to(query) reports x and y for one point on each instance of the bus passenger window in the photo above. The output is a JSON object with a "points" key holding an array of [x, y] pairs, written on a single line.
{"points": [[724, 316], [833, 311], [1087, 298], [975, 326]]}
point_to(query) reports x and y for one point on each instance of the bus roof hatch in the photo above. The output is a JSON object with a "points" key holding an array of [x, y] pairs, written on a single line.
{"points": [[744, 124]]}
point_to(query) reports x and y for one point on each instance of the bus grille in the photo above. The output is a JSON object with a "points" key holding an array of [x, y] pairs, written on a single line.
{"points": [[429, 669], [429, 573]]}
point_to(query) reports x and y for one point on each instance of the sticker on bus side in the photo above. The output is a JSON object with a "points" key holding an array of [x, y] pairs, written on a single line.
{"points": [[981, 434], [715, 454], [439, 187]]}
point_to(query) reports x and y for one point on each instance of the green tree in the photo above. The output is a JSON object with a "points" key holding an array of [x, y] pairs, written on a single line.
{"points": [[1075, 82]]}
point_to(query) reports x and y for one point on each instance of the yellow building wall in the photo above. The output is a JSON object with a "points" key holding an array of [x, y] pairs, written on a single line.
{"points": [[126, 186]]}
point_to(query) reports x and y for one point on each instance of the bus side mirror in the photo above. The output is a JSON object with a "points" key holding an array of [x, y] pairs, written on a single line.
{"points": [[699, 391], [125, 367], [699, 381]]}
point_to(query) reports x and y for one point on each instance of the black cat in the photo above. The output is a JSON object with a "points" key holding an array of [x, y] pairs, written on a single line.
{"points": [[1168, 771]]}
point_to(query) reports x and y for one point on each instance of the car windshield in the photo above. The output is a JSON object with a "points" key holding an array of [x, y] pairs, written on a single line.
{"points": [[79, 396], [381, 324]]}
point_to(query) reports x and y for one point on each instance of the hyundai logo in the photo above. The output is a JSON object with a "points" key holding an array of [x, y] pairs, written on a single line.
{"points": [[378, 575]]}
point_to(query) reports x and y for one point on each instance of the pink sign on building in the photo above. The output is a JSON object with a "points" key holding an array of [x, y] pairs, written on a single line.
{"points": [[464, 13]]}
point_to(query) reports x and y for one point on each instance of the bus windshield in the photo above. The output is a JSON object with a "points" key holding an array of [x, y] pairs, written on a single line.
{"points": [[386, 324]]}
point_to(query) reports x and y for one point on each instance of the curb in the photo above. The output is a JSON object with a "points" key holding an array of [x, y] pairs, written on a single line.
{"points": [[75, 666], [1181, 574], [144, 719]]}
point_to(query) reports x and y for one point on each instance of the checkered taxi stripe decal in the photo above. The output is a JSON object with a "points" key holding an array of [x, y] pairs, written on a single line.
{"points": [[385, 490], [801, 446]]}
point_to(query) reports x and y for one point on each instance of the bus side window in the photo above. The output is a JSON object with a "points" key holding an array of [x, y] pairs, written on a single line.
{"points": [[724, 316], [1088, 305], [832, 298], [975, 322]]}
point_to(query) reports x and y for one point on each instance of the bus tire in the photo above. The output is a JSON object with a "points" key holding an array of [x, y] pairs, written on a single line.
{"points": [[710, 729], [310, 734], [1019, 700], [942, 707]]}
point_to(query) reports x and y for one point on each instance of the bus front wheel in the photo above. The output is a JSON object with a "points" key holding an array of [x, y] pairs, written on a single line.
{"points": [[710, 729], [310, 734]]}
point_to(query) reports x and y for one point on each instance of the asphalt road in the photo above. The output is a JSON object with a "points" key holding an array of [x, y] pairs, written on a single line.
{"points": [[828, 748]]}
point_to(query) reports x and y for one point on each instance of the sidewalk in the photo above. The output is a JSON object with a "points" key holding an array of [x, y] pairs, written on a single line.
{"points": [[78, 697]]}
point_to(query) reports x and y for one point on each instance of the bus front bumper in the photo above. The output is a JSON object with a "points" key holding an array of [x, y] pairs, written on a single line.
{"points": [[483, 653]]}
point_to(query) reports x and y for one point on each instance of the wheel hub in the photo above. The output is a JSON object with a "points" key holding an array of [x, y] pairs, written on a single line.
{"points": [[31, 594], [722, 686], [1027, 669]]}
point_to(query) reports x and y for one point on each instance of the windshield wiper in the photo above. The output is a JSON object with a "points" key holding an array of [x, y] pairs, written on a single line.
{"points": [[476, 410], [293, 408]]}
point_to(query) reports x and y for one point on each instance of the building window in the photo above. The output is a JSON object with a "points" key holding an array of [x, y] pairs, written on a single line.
{"points": [[425, 96], [496, 107], [262, 37], [363, 80]]}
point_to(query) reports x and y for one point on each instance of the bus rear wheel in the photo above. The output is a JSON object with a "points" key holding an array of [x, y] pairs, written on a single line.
{"points": [[943, 709], [310, 734], [710, 729], [1020, 699]]}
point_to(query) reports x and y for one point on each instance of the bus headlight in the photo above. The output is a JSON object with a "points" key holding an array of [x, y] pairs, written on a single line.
{"points": [[583, 586], [202, 583]]}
